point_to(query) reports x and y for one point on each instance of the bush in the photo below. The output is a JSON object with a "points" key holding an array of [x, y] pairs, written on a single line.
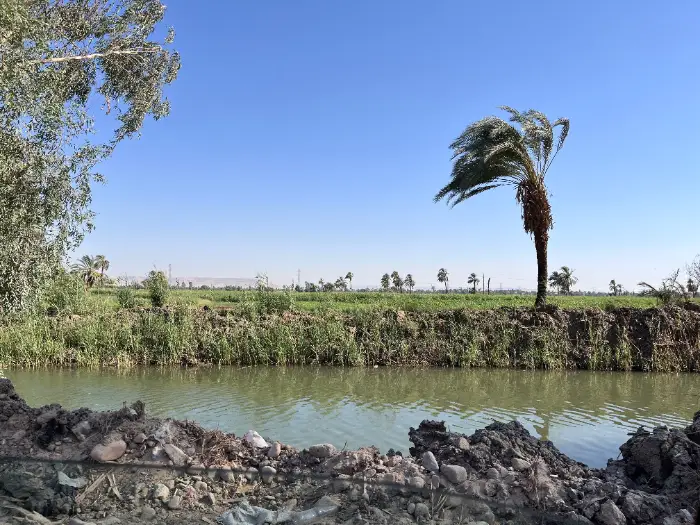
{"points": [[270, 302], [126, 297], [66, 294], [158, 288]]}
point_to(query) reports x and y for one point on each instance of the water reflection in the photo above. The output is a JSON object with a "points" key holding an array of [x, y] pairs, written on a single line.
{"points": [[587, 415]]}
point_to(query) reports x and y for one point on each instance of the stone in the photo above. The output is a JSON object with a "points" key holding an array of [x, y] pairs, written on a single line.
{"points": [[493, 473], [77, 483], [251, 474], [110, 452], [178, 457], [210, 498], [139, 438], [322, 451], [82, 430], [255, 440], [161, 492], [45, 417], [274, 451], [461, 442], [342, 483], [18, 435], [328, 502], [170, 484], [111, 520], [520, 464], [226, 475], [422, 511], [267, 473], [175, 502], [610, 514], [429, 462], [148, 513], [77, 521], [416, 482], [435, 482], [411, 508], [454, 473], [201, 486]]}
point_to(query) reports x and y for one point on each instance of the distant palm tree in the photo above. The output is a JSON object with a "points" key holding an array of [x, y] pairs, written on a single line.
{"points": [[613, 287], [410, 283], [385, 281], [102, 264], [619, 289], [397, 281], [340, 284], [692, 287], [567, 278], [492, 153], [86, 268], [474, 280], [349, 277], [320, 283], [555, 281], [443, 277]]}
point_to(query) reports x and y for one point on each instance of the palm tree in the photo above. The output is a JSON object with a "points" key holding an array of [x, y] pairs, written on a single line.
{"points": [[86, 268], [473, 279], [102, 264], [349, 277], [340, 284], [397, 281], [555, 281], [443, 277], [692, 287], [492, 153], [410, 283], [567, 278], [619, 289], [385, 281], [320, 283], [613, 286]]}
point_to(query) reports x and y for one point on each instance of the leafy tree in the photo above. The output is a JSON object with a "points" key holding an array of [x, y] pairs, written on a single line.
{"points": [[692, 287], [671, 290], [473, 280], [492, 153], [86, 268], [693, 271], [328, 287], [409, 282], [443, 277], [102, 264], [349, 277], [555, 281], [340, 284], [385, 281], [321, 283], [397, 281], [158, 289], [563, 280], [613, 287], [58, 60]]}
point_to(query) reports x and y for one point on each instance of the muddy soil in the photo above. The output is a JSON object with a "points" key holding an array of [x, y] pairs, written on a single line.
{"points": [[122, 467]]}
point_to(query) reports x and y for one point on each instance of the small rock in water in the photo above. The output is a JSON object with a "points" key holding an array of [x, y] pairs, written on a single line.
{"points": [[275, 450], [454, 473], [175, 502], [520, 464], [254, 439], [178, 457], [148, 513], [109, 452], [324, 450]]}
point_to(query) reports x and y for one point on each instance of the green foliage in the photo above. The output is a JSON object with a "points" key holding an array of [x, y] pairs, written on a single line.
{"points": [[270, 302], [126, 297], [158, 288], [65, 294], [58, 62], [385, 281], [563, 280]]}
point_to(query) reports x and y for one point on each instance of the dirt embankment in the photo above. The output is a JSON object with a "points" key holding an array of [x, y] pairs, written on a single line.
{"points": [[93, 473]]}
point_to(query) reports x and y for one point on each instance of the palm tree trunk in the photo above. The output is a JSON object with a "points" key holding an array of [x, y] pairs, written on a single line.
{"points": [[541, 239]]}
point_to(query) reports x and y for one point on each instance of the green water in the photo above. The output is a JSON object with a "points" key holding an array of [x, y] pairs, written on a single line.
{"points": [[587, 415]]}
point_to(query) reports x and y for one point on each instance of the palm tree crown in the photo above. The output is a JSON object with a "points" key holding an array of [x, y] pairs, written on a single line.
{"points": [[473, 280], [443, 277], [492, 153], [86, 268], [349, 277]]}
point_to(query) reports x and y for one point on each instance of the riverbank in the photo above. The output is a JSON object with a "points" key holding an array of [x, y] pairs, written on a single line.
{"points": [[497, 475], [653, 339]]}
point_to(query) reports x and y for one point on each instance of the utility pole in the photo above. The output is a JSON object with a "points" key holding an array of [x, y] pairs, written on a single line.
{"points": [[483, 283], [170, 273], [299, 278]]}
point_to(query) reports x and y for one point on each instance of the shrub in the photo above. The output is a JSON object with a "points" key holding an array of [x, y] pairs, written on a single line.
{"points": [[158, 288], [126, 297], [270, 302], [66, 294]]}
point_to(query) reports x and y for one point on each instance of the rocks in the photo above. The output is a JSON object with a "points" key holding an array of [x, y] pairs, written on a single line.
{"points": [[77, 521], [421, 511], [460, 442], [139, 438], [411, 508], [148, 513], [275, 450], [210, 498], [324, 450], [416, 482], [429, 462], [520, 464], [176, 455], [161, 492], [267, 473], [251, 474], [175, 502], [201, 486], [255, 440], [610, 514], [454, 473], [110, 452], [493, 473], [226, 475]]}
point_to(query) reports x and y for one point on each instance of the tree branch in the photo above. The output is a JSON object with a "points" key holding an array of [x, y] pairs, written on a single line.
{"points": [[91, 56]]}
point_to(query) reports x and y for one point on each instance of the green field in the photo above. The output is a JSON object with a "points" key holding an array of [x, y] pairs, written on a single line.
{"points": [[354, 301]]}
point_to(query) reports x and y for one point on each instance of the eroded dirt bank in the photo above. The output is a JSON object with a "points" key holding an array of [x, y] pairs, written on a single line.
{"points": [[499, 474]]}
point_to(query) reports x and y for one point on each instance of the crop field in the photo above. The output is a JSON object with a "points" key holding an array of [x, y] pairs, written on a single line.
{"points": [[353, 301]]}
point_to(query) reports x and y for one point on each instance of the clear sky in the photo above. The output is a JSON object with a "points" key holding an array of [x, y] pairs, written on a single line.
{"points": [[313, 135]]}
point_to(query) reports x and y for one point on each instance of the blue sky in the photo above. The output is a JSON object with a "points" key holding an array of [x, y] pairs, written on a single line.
{"points": [[313, 135]]}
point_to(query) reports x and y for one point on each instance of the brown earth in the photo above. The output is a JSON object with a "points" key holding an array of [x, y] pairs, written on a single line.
{"points": [[122, 467]]}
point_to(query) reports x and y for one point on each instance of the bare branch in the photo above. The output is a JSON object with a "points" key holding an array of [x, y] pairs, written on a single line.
{"points": [[91, 56]]}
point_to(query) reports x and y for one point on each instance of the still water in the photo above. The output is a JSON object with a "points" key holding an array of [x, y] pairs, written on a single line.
{"points": [[586, 414]]}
